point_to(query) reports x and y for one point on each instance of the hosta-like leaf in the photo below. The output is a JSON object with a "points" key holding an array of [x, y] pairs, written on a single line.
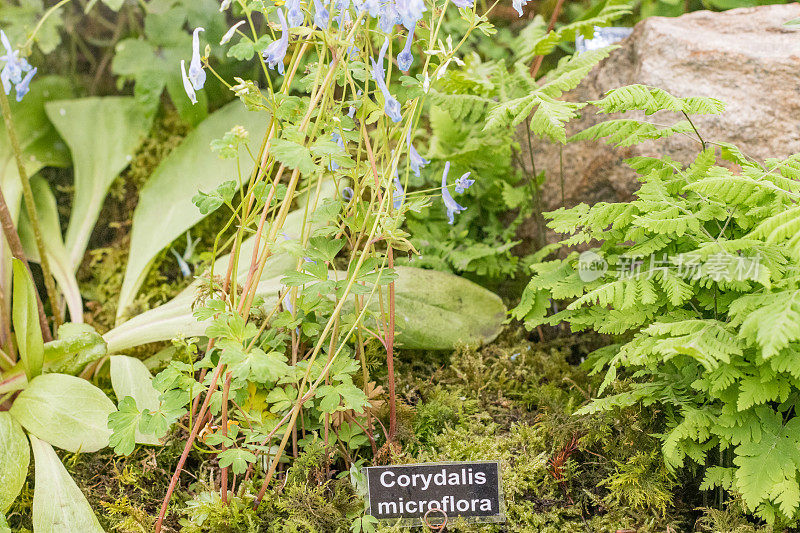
{"points": [[14, 459], [165, 210], [434, 310], [102, 135], [59, 506], [65, 411]]}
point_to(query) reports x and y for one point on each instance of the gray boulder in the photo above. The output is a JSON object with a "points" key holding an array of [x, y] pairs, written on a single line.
{"points": [[744, 57]]}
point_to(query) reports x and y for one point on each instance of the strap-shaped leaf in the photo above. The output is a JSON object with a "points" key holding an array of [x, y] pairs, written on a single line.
{"points": [[25, 317]]}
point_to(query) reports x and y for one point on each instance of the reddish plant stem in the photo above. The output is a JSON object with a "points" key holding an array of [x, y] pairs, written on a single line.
{"points": [[15, 245], [224, 476], [553, 18], [187, 448]]}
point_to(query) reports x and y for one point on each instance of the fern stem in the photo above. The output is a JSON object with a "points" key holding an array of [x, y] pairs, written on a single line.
{"points": [[702, 142]]}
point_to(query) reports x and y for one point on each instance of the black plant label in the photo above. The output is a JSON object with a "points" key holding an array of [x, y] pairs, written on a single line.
{"points": [[434, 492]]}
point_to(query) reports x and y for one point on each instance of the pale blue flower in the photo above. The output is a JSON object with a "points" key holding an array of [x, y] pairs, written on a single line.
{"points": [[449, 203], [229, 34], [276, 50], [392, 106], [335, 137], [518, 5], [399, 194], [464, 4], [13, 70], [187, 84], [343, 7], [463, 183], [373, 6], [415, 161], [347, 194], [294, 13], [24, 86], [388, 17], [410, 11], [405, 58], [196, 73], [321, 16]]}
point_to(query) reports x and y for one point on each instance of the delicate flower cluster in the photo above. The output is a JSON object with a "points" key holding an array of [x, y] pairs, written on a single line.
{"points": [[389, 14], [17, 72]]}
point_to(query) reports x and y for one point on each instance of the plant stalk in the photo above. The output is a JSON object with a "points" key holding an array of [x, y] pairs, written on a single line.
{"points": [[30, 206], [14, 243]]}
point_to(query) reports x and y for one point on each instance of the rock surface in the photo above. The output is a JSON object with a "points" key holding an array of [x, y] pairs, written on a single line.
{"points": [[744, 57]]}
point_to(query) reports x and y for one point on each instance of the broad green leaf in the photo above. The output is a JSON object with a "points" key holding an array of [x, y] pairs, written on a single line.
{"points": [[165, 210], [14, 460], [293, 155], [103, 135], [434, 311], [4, 524], [59, 506], [130, 378], [25, 317], [57, 254], [65, 411]]}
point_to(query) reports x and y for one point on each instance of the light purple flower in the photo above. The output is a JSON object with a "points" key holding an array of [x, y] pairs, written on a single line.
{"points": [[347, 194], [399, 194], [321, 15], [405, 58], [410, 11], [196, 73], [518, 5], [343, 7], [229, 34], [463, 183], [449, 203], [294, 13], [373, 6], [415, 160], [187, 84], [392, 106], [388, 17], [464, 4], [15, 66], [24, 86], [276, 50]]}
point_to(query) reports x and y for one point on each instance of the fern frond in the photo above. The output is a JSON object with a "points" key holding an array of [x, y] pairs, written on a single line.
{"points": [[627, 132], [571, 70], [652, 99], [551, 116], [775, 324]]}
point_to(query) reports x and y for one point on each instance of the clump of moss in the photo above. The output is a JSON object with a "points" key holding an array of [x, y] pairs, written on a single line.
{"points": [[514, 402]]}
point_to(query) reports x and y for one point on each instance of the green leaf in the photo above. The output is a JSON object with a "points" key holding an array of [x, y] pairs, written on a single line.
{"points": [[14, 460], [59, 506], [131, 379], [165, 209], [25, 317], [57, 254], [293, 155], [210, 202], [124, 424], [65, 411], [237, 459], [103, 135]]}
